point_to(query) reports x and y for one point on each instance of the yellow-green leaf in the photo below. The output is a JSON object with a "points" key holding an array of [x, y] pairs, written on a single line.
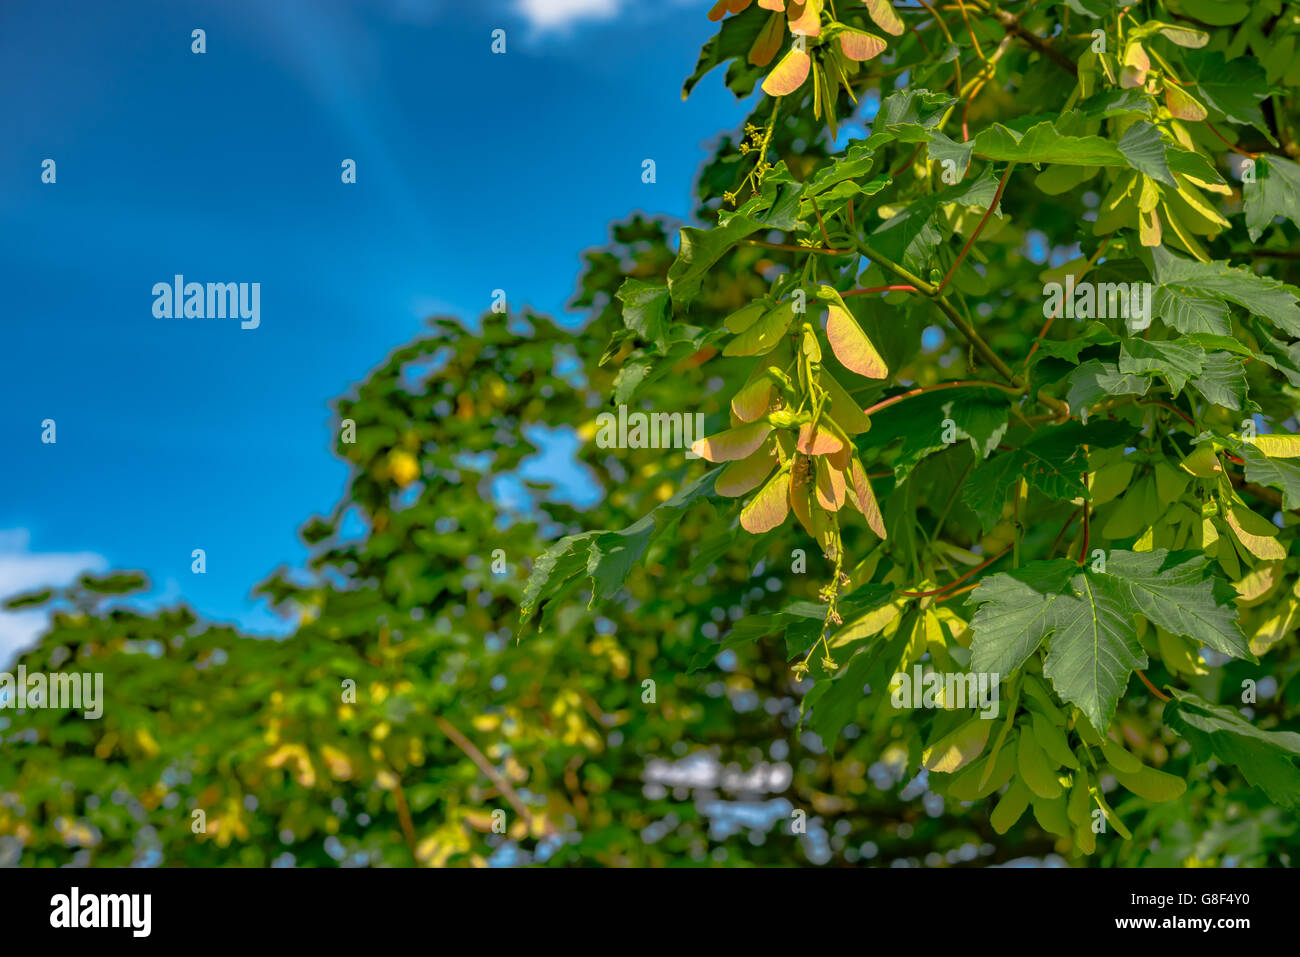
{"points": [[1038, 775], [1151, 784]]}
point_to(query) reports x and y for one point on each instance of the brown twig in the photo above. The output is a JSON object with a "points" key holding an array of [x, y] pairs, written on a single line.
{"points": [[1232, 146], [1186, 418], [1064, 528], [484, 765], [863, 292], [997, 197], [1011, 25], [957, 581], [957, 384]]}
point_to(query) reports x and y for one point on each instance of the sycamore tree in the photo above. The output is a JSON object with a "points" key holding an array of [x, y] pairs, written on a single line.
{"points": [[993, 300], [1023, 366], [400, 723]]}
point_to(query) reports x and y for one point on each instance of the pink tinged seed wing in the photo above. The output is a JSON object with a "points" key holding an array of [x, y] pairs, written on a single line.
{"points": [[861, 46], [788, 75], [864, 499], [830, 487], [733, 444], [742, 477], [882, 12], [851, 345], [752, 400], [808, 20], [801, 489], [823, 443], [769, 507]]}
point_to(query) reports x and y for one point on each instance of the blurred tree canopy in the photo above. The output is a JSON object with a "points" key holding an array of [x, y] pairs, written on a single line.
{"points": [[707, 687]]}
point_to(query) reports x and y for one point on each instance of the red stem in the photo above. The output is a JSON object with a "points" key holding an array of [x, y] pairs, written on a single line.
{"points": [[1152, 688], [1236, 149], [956, 581], [863, 292], [886, 403], [978, 229]]}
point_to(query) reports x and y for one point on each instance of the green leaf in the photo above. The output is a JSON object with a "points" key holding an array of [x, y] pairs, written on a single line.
{"points": [[1196, 167], [699, 249], [910, 235], [982, 418], [28, 599], [910, 115], [1015, 614], [977, 413], [1223, 381], [1232, 88], [1095, 380], [607, 557], [1188, 279], [1053, 462], [1094, 648], [1274, 192], [1089, 617], [1214, 12], [613, 554], [1280, 474], [1267, 759], [855, 164], [1145, 151], [647, 310], [942, 148], [1173, 360], [834, 702], [1043, 143], [1094, 334], [1188, 311], [1176, 591]]}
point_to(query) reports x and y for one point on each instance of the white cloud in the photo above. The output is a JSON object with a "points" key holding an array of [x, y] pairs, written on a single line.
{"points": [[23, 570], [559, 14]]}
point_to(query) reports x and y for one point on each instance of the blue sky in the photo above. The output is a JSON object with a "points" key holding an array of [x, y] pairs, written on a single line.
{"points": [[225, 166]]}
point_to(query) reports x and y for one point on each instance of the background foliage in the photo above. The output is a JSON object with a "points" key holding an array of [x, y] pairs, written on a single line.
{"points": [[1074, 437]]}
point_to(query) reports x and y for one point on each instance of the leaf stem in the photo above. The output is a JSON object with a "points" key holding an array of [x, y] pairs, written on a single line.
{"points": [[935, 591], [955, 384], [997, 197], [1152, 688]]}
